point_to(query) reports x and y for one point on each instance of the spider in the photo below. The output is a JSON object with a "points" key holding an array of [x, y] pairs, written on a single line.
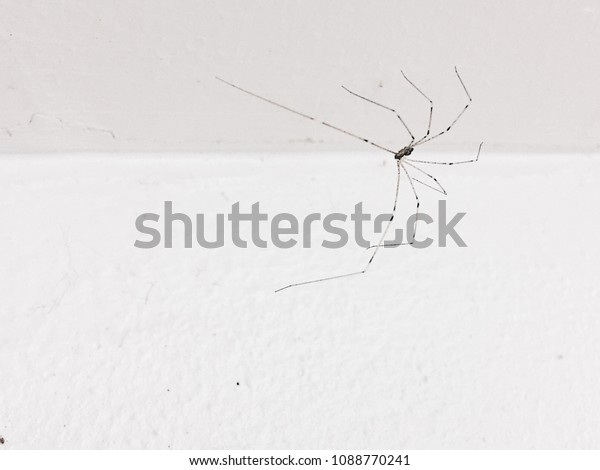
{"points": [[402, 158]]}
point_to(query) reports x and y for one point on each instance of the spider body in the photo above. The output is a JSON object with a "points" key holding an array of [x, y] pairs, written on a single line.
{"points": [[405, 152]]}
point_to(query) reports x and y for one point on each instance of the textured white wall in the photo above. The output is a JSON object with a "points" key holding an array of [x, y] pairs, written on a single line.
{"points": [[104, 345], [133, 75]]}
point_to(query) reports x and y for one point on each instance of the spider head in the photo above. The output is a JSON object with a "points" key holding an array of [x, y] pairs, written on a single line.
{"points": [[403, 152]]}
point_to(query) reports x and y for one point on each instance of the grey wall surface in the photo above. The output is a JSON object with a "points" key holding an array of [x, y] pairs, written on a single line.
{"points": [[139, 75]]}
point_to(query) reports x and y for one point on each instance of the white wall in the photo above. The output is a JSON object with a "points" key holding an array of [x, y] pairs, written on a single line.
{"points": [[105, 345], [138, 75]]}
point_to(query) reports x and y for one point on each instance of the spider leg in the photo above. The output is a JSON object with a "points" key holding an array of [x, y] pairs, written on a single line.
{"points": [[414, 234], [430, 107], [412, 137], [439, 188], [306, 116], [448, 163], [457, 117], [364, 270]]}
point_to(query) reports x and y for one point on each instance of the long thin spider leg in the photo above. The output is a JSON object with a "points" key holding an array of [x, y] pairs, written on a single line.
{"points": [[439, 189], [447, 163], [430, 106], [428, 185], [306, 116], [410, 180], [331, 278], [364, 270], [412, 137], [457, 117], [387, 227]]}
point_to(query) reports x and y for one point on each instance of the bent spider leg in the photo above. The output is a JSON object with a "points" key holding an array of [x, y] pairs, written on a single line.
{"points": [[457, 117], [448, 163], [412, 137], [364, 270], [430, 106], [414, 234], [439, 189]]}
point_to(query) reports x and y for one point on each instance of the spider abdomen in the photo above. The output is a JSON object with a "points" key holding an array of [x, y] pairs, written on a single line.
{"points": [[403, 152]]}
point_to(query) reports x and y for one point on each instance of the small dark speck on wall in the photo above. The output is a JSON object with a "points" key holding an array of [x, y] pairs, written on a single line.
{"points": [[1, 440], [237, 383]]}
